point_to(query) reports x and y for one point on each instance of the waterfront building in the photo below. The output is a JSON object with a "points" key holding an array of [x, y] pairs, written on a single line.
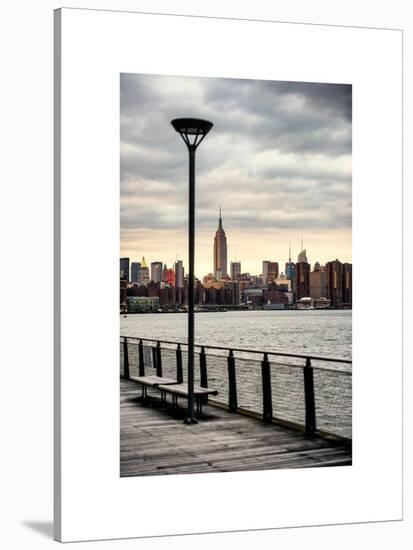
{"points": [[135, 266], [220, 250], [141, 304], [123, 295], [273, 295], [253, 296], [318, 282], [235, 270], [347, 298], [334, 283], [321, 303], [156, 272], [269, 271], [143, 275], [199, 292], [233, 292], [124, 269]]}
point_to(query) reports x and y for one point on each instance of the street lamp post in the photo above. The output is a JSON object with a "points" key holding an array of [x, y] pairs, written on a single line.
{"points": [[192, 131]]}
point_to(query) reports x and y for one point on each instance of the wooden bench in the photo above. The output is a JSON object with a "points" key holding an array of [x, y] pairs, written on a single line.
{"points": [[181, 390], [152, 382]]}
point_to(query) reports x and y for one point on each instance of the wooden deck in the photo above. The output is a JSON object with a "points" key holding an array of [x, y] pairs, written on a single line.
{"points": [[154, 441]]}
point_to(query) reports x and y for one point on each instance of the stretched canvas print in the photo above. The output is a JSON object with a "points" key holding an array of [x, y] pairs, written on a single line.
{"points": [[267, 382], [219, 365]]}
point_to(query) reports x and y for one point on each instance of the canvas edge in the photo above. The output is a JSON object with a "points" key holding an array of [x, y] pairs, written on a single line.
{"points": [[57, 445]]}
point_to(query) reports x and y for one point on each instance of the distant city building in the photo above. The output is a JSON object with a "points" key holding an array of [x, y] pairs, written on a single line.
{"points": [[302, 279], [302, 257], [143, 276], [269, 271], [347, 299], [143, 304], [170, 277], [274, 295], [179, 274], [220, 251], [253, 296], [334, 283], [284, 283], [179, 283], [234, 292], [135, 266], [290, 270], [123, 295], [317, 282], [235, 270], [124, 269], [156, 272]]}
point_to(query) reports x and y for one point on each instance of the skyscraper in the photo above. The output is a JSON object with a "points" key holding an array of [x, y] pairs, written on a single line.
{"points": [[143, 272], [290, 270], [220, 251], [318, 282], [348, 284], [124, 268], [135, 266], [302, 276], [179, 274], [156, 272], [235, 270], [270, 271], [334, 282]]}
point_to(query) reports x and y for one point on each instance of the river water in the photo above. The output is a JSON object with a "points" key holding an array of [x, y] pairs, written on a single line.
{"points": [[317, 332]]}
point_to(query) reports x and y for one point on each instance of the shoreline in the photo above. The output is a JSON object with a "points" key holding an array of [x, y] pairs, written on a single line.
{"points": [[125, 314]]}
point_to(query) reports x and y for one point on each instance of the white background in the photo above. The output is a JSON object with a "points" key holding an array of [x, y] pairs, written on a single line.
{"points": [[26, 403]]}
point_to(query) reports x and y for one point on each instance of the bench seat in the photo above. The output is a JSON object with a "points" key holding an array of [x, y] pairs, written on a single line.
{"points": [[152, 382], [181, 390]]}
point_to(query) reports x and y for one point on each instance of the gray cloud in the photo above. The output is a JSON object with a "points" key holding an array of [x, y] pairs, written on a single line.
{"points": [[279, 155]]}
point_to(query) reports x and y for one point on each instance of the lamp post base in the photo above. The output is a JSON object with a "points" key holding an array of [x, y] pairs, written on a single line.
{"points": [[190, 421]]}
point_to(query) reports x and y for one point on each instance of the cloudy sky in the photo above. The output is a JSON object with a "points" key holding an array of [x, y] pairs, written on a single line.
{"points": [[278, 162]]}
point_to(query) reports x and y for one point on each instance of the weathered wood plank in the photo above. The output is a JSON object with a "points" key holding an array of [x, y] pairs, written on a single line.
{"points": [[154, 441]]}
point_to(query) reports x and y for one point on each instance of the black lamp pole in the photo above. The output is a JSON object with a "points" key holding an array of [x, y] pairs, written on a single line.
{"points": [[192, 131]]}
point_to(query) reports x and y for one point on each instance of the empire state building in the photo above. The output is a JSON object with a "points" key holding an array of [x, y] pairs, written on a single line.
{"points": [[220, 251]]}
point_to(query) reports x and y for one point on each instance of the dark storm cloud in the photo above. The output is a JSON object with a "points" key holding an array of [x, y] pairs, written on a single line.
{"points": [[279, 154]]}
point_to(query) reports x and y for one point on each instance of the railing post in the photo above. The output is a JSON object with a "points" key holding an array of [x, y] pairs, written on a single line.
{"points": [[266, 389], [126, 372], [141, 361], [232, 383], [158, 360], [310, 422], [179, 373], [203, 368], [153, 357]]}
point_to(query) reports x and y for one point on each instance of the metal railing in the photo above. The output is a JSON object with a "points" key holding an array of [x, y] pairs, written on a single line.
{"points": [[307, 392]]}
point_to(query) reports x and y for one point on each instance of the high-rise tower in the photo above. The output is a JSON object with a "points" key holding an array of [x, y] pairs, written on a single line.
{"points": [[220, 251]]}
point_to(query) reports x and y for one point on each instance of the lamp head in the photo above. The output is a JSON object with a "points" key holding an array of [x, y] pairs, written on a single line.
{"points": [[192, 130]]}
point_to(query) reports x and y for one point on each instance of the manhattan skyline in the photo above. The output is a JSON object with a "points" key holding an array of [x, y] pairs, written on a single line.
{"points": [[278, 162]]}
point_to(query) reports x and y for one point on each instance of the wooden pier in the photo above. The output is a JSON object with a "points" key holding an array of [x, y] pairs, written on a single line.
{"points": [[155, 441]]}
